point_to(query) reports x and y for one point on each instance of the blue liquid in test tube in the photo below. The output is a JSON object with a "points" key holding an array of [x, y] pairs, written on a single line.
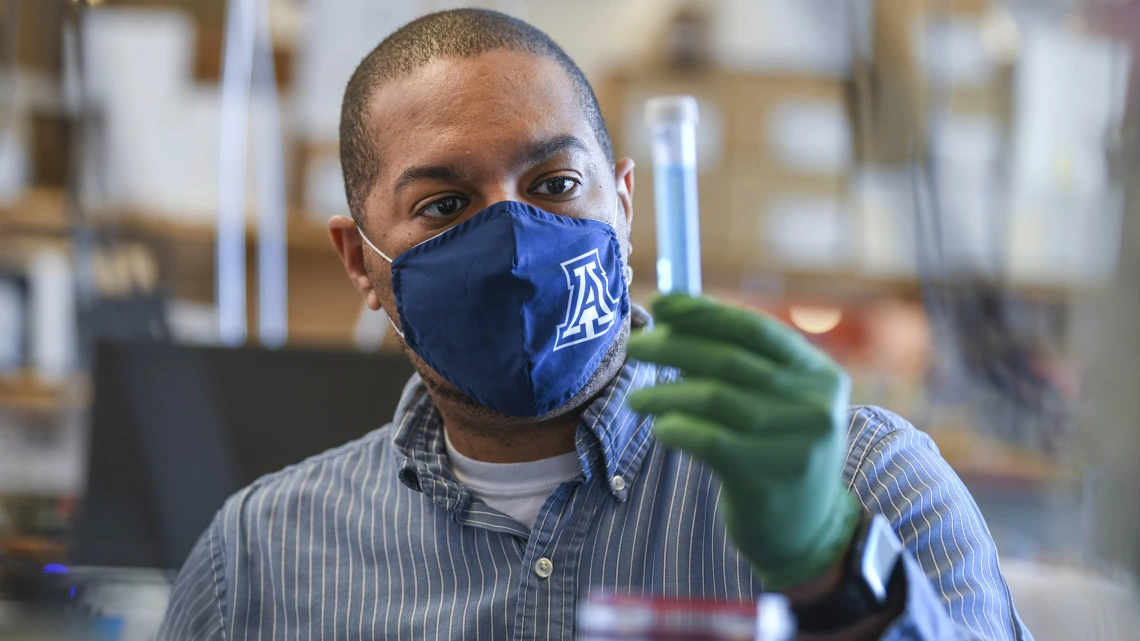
{"points": [[673, 120]]}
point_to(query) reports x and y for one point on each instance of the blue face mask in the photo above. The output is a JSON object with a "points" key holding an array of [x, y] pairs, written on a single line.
{"points": [[514, 306]]}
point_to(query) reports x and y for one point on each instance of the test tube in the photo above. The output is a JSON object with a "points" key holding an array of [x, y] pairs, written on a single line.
{"points": [[673, 120]]}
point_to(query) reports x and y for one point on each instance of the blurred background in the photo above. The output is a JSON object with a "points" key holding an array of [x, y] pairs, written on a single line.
{"points": [[944, 194]]}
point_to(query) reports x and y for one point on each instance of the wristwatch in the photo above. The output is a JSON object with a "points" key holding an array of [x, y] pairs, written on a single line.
{"points": [[872, 573]]}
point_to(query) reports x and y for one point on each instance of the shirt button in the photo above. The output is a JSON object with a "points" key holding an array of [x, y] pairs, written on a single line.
{"points": [[617, 484], [543, 568]]}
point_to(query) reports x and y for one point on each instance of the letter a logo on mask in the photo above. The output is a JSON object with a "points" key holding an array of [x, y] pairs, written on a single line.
{"points": [[591, 311]]}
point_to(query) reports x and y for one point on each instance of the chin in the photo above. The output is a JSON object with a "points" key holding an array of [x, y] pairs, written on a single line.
{"points": [[442, 390]]}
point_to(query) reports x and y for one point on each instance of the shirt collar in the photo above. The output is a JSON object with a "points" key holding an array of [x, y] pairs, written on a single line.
{"points": [[611, 439]]}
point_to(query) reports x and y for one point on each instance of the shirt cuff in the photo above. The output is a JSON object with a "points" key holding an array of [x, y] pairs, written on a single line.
{"points": [[924, 615]]}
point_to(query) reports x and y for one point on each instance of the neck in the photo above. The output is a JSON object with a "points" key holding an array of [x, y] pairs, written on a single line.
{"points": [[493, 442]]}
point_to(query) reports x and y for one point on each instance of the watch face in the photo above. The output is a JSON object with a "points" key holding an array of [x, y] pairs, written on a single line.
{"points": [[881, 552]]}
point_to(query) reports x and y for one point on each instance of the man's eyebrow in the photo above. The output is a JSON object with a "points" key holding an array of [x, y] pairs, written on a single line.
{"points": [[423, 172], [542, 150], [533, 154]]}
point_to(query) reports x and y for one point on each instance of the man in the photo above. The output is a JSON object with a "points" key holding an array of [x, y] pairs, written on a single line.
{"points": [[533, 460]]}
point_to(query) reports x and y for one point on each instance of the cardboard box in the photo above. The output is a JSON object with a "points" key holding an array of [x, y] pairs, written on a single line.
{"points": [[756, 103]]}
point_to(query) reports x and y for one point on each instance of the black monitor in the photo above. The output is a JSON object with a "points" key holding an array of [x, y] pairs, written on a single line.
{"points": [[177, 429]]}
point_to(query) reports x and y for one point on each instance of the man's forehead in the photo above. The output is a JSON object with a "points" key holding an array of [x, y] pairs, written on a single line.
{"points": [[495, 72], [493, 98]]}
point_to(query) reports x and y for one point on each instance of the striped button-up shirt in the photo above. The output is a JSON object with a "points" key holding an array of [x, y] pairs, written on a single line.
{"points": [[377, 539]]}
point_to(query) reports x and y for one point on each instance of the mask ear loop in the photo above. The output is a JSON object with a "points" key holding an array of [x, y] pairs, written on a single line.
{"points": [[385, 257], [627, 272], [374, 247]]}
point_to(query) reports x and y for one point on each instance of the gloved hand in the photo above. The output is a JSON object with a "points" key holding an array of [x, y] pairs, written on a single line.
{"points": [[768, 412]]}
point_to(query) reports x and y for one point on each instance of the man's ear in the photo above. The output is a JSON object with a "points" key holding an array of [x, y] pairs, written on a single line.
{"points": [[623, 180], [346, 239]]}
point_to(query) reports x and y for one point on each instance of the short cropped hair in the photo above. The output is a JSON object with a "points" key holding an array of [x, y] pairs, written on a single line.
{"points": [[458, 33]]}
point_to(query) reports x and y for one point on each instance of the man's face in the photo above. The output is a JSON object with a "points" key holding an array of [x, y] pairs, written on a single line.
{"points": [[461, 134]]}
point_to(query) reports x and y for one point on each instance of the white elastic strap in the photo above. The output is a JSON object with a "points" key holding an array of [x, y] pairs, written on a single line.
{"points": [[393, 324], [385, 257], [374, 248]]}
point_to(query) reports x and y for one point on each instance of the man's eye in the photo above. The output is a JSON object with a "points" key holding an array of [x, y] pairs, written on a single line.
{"points": [[446, 206], [557, 186]]}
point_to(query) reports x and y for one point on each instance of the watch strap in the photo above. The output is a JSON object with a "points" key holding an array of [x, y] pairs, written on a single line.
{"points": [[854, 599]]}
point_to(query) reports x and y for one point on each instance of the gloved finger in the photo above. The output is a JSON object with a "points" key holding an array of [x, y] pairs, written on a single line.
{"points": [[742, 411], [740, 462], [705, 357], [697, 436], [754, 331], [774, 458]]}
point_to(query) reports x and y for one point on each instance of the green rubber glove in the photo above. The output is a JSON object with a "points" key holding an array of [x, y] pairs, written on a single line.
{"points": [[768, 412]]}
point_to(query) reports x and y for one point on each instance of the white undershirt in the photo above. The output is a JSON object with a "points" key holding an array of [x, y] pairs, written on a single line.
{"points": [[515, 489]]}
